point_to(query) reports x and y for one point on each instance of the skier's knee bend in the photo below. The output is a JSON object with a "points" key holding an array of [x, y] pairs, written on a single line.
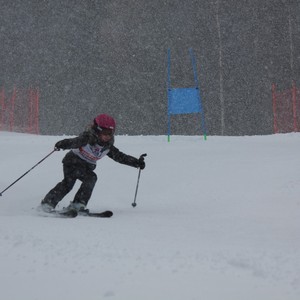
{"points": [[91, 179], [95, 178]]}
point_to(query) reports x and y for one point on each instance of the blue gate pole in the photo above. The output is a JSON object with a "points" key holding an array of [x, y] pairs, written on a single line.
{"points": [[197, 87], [169, 92]]}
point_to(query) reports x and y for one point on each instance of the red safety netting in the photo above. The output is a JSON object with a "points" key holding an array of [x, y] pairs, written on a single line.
{"points": [[286, 110], [19, 110]]}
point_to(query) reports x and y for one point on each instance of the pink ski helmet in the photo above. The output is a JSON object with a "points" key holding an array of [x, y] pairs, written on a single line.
{"points": [[105, 121]]}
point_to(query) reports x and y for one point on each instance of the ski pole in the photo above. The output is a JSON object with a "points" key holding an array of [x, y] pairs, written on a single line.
{"points": [[138, 180], [27, 171]]}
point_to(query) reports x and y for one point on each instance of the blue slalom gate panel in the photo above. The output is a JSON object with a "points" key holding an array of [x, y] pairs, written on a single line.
{"points": [[184, 100]]}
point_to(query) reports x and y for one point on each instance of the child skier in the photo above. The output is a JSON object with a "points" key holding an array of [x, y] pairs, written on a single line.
{"points": [[79, 163]]}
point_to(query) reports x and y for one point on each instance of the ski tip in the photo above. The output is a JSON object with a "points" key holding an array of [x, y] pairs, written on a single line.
{"points": [[104, 214], [109, 213]]}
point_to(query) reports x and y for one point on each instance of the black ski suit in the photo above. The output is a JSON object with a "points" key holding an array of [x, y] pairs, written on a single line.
{"points": [[80, 162]]}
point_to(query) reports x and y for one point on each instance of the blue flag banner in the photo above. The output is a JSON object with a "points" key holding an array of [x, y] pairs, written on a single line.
{"points": [[184, 100]]}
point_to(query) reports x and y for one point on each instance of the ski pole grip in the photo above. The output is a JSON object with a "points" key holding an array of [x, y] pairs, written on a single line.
{"points": [[143, 155]]}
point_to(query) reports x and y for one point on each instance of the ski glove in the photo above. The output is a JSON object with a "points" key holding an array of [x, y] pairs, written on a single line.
{"points": [[141, 163], [60, 145]]}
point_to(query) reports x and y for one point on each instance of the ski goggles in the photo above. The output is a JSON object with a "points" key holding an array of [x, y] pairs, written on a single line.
{"points": [[105, 131]]}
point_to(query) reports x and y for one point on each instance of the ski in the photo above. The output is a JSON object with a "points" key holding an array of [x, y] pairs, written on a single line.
{"points": [[104, 214], [65, 214], [73, 213]]}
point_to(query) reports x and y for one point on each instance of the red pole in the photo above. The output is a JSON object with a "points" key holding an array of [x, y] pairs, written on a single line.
{"points": [[12, 110], [30, 103], [37, 130], [274, 108]]}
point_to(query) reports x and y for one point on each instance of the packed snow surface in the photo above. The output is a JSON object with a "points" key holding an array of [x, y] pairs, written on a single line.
{"points": [[215, 219]]}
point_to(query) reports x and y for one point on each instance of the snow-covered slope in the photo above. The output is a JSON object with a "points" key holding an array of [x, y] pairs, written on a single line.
{"points": [[215, 219]]}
